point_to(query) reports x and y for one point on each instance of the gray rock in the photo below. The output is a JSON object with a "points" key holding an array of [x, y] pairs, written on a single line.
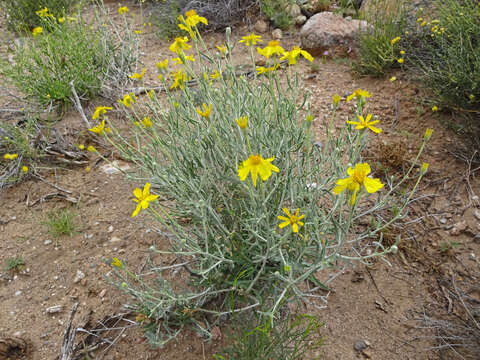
{"points": [[54, 309], [47, 242], [326, 30], [277, 34], [360, 345], [78, 277], [300, 20], [293, 10], [261, 26]]}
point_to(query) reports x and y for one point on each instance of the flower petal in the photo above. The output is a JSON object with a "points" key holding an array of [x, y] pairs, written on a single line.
{"points": [[375, 129], [138, 193], [372, 185], [146, 189], [295, 227], [282, 225], [137, 210], [286, 211]]}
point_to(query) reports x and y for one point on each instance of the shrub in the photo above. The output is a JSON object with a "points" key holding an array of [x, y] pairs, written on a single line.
{"points": [[289, 340], [15, 263], [45, 66], [21, 14], [247, 242], [377, 53], [446, 53], [275, 11]]}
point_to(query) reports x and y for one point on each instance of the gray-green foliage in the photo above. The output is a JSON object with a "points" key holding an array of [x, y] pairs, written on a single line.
{"points": [[89, 56]]}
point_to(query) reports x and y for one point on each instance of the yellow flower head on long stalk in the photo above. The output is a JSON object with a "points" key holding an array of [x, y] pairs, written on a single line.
{"points": [[37, 31], [293, 220], [206, 110], [100, 111], [162, 65], [100, 129], [179, 79], [44, 13], [180, 60], [358, 94], [117, 263], [222, 48], [242, 122], [273, 48], [123, 10], [292, 55], [256, 165], [395, 40], [8, 156], [190, 21], [357, 178], [146, 122], [264, 70], [362, 124], [138, 76], [336, 99], [128, 100], [143, 198], [179, 44], [251, 39]]}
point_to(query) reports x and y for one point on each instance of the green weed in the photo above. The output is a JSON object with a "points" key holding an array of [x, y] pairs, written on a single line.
{"points": [[15, 263], [61, 222], [275, 11]]}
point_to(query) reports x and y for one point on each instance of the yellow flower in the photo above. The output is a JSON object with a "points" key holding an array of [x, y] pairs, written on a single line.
{"points": [[123, 10], [10, 156], [162, 65], [251, 39], [179, 60], [428, 134], [206, 110], [393, 79], [256, 165], [71, 19], [402, 52], [37, 31], [151, 93], [143, 198], [179, 44], [44, 13], [81, 147], [138, 32], [359, 94], [293, 220], [179, 79], [292, 55], [395, 40], [128, 100], [25, 169], [138, 76], [358, 177], [400, 61], [99, 111], [423, 24], [471, 97], [91, 149], [434, 108], [336, 99], [366, 123], [215, 75], [222, 48], [264, 70], [160, 77], [273, 48], [424, 168], [100, 128], [147, 122], [309, 118], [61, 20], [117, 263], [190, 22], [242, 122]]}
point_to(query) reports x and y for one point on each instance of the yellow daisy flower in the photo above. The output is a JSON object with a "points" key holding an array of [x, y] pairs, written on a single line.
{"points": [[99, 111], [179, 44], [100, 128], [251, 39], [206, 110], [292, 55], [256, 165], [359, 93], [273, 48], [366, 123], [293, 220], [138, 76], [143, 198]]}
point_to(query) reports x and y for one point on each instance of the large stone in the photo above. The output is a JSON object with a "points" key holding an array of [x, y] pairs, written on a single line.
{"points": [[328, 31], [316, 6], [261, 26], [293, 10]]}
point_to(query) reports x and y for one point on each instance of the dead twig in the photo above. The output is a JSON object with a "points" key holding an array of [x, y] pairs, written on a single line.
{"points": [[78, 106], [69, 337]]}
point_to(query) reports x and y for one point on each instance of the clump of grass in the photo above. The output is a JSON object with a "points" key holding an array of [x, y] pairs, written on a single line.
{"points": [[66, 51], [15, 263], [291, 339], [61, 222], [446, 53], [377, 53], [275, 11], [21, 14]]}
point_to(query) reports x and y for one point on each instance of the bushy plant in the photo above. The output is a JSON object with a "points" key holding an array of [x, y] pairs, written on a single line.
{"points": [[21, 14], [446, 53], [378, 51], [73, 53], [275, 11], [253, 204], [290, 339]]}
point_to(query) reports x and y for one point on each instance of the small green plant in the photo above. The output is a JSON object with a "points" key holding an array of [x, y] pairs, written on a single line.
{"points": [[275, 11], [164, 17], [15, 263], [381, 45], [446, 53], [21, 14], [61, 222], [72, 53], [290, 339], [447, 246]]}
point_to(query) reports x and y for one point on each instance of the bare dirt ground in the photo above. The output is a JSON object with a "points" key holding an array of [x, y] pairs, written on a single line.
{"points": [[381, 305]]}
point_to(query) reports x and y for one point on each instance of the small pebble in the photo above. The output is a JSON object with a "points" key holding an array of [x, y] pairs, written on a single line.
{"points": [[359, 345], [18, 292], [47, 242], [78, 277]]}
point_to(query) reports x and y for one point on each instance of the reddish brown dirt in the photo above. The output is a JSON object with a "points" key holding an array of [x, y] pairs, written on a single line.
{"points": [[380, 304]]}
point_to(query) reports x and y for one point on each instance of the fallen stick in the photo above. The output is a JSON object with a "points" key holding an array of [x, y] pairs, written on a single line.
{"points": [[78, 106], [69, 337]]}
